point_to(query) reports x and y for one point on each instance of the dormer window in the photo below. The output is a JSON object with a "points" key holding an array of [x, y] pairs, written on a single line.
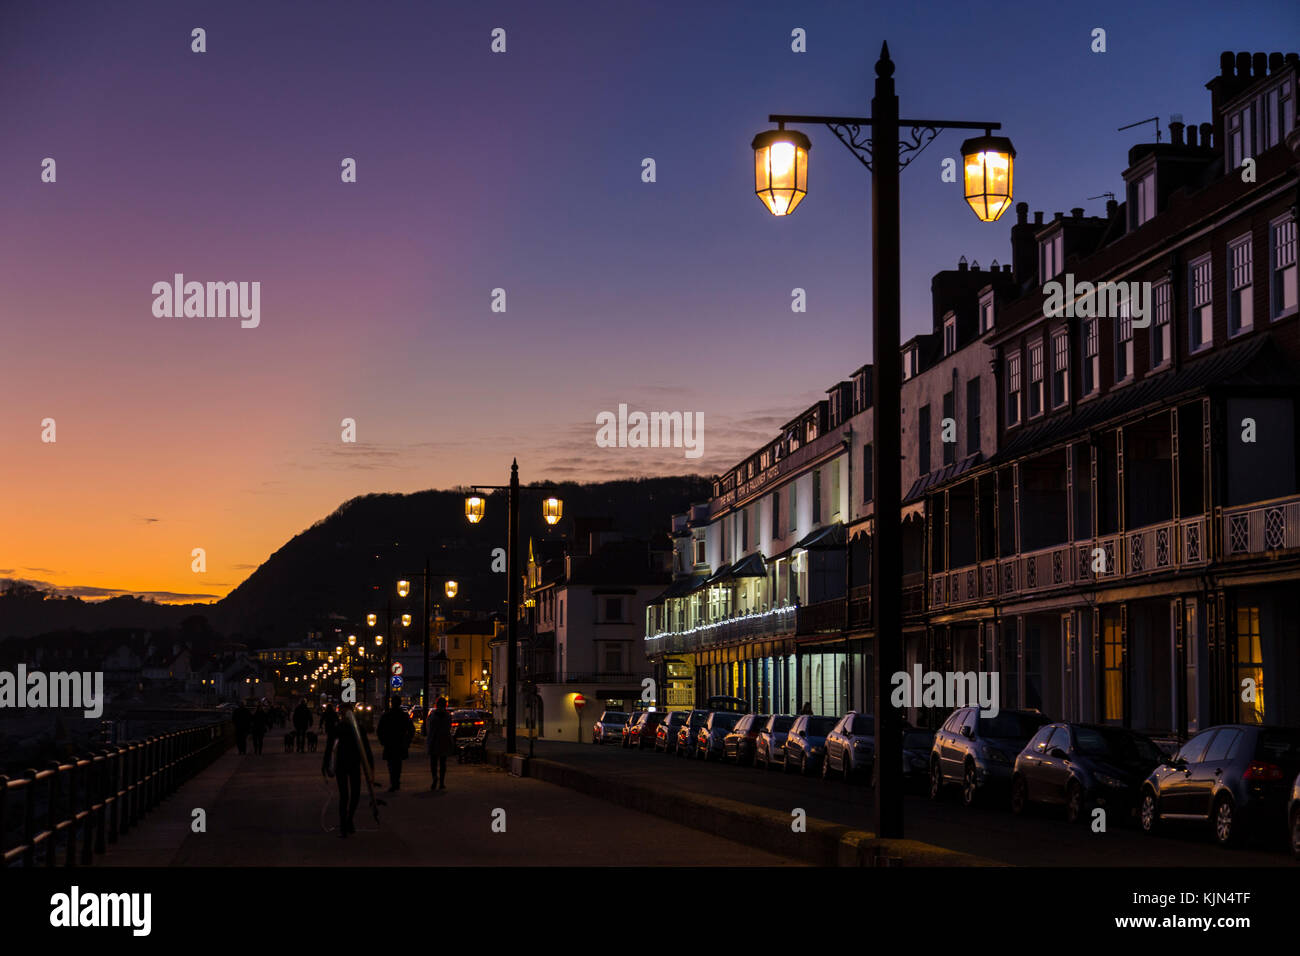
{"points": [[1050, 257], [950, 334], [986, 313], [1142, 200], [910, 363], [1261, 123]]}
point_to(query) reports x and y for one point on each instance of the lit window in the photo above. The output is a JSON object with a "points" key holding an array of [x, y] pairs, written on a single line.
{"points": [[1060, 368], [1200, 331], [1241, 315], [1160, 334], [1282, 268]]}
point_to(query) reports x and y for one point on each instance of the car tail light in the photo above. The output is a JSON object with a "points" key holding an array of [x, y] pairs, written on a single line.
{"points": [[1260, 771], [478, 723]]}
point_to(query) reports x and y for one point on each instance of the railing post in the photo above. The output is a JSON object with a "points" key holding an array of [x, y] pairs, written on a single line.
{"points": [[29, 819], [51, 808], [100, 766]]}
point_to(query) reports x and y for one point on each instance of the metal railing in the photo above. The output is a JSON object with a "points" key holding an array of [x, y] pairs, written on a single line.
{"points": [[1261, 527], [82, 806]]}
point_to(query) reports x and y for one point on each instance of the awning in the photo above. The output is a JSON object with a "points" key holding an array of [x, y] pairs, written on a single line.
{"points": [[751, 566], [679, 588]]}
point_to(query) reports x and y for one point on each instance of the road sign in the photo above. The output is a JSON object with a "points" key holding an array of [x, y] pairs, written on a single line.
{"points": [[396, 682], [397, 668], [579, 702]]}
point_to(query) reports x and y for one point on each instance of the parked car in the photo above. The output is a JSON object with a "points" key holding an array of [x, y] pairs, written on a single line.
{"points": [[769, 746], [708, 739], [738, 744], [609, 729], [627, 727], [641, 732], [917, 745], [851, 746], [1293, 815], [1233, 777], [686, 734], [666, 732], [1080, 766], [979, 752], [805, 744]]}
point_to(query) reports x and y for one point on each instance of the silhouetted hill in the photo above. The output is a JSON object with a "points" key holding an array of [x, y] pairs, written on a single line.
{"points": [[347, 564]]}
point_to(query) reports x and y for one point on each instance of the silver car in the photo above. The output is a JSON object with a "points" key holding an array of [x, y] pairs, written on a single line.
{"points": [[979, 752], [851, 747], [769, 748], [609, 729]]}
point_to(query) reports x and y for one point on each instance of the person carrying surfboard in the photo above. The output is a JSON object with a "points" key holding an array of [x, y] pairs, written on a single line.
{"points": [[348, 768]]}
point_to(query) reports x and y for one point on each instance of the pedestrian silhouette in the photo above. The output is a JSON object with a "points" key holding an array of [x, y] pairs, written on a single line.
{"points": [[439, 742], [301, 724], [261, 720], [352, 745], [806, 708], [243, 722], [395, 734]]}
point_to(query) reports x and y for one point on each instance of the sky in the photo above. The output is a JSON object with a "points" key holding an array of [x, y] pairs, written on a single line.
{"points": [[519, 170]]}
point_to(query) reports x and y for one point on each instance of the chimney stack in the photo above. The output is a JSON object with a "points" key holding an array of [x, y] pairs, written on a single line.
{"points": [[1022, 212], [1111, 208], [1077, 212]]}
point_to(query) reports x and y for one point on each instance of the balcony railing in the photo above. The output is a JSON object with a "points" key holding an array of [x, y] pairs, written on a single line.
{"points": [[777, 622], [1261, 527]]}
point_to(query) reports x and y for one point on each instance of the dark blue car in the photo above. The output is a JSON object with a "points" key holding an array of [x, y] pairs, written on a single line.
{"points": [[1082, 766], [805, 745]]}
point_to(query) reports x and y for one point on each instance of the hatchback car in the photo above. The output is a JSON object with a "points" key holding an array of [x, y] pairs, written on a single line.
{"points": [[666, 732], [1081, 766], [641, 732], [686, 733], [805, 744], [769, 746], [708, 739], [851, 747], [738, 744], [979, 752], [609, 729], [1235, 777]]}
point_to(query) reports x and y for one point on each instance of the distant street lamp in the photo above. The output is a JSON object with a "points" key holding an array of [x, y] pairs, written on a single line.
{"points": [[552, 509], [781, 182], [450, 589]]}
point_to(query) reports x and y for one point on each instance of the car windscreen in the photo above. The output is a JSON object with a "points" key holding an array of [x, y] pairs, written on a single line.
{"points": [[918, 740], [725, 721], [1279, 746], [863, 724], [821, 726], [1011, 724], [614, 717], [1118, 745], [781, 724]]}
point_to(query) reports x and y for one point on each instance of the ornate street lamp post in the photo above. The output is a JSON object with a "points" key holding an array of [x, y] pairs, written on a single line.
{"points": [[781, 182]]}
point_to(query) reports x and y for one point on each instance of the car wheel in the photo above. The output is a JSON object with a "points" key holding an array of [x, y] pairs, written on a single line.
{"points": [[1225, 822], [1149, 812], [969, 786], [1295, 835], [936, 781], [1075, 804], [1019, 795]]}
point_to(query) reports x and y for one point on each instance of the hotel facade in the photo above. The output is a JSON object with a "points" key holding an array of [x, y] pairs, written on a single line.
{"points": [[1104, 509]]}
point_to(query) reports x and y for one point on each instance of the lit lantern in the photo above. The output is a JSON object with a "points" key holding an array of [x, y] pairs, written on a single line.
{"points": [[781, 169], [371, 619], [990, 164], [474, 508], [552, 509], [406, 620], [403, 588], [352, 640], [379, 640], [451, 587]]}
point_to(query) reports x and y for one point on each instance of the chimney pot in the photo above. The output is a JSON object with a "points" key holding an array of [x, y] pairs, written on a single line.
{"points": [[1191, 135], [1111, 207], [1207, 135], [1057, 216], [1243, 66], [1259, 64], [1077, 212], [1274, 62], [1038, 217], [1225, 63], [961, 264], [1022, 212], [1292, 59], [995, 267], [975, 265], [1176, 133]]}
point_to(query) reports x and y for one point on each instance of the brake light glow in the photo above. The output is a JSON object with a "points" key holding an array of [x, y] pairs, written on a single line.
{"points": [[1258, 770]]}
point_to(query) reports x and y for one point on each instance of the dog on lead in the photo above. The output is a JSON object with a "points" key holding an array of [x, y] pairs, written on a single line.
{"points": [[311, 741]]}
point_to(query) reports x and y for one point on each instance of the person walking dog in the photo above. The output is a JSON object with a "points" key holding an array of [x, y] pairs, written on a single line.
{"points": [[439, 743]]}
